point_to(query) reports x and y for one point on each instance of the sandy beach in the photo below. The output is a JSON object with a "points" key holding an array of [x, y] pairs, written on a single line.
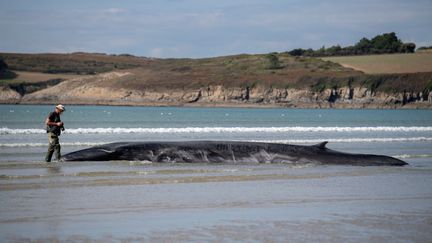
{"points": [[130, 201], [139, 201]]}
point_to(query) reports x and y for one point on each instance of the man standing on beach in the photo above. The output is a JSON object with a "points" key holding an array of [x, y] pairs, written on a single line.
{"points": [[54, 126]]}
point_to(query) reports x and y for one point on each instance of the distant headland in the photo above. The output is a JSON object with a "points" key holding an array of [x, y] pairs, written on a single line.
{"points": [[382, 72]]}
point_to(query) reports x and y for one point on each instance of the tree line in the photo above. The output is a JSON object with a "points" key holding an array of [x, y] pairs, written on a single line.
{"points": [[380, 44], [425, 48]]}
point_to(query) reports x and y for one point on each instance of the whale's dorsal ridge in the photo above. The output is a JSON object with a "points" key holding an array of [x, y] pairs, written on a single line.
{"points": [[321, 145]]}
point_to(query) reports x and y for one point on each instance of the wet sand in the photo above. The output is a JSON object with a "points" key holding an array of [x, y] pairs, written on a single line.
{"points": [[134, 201]]}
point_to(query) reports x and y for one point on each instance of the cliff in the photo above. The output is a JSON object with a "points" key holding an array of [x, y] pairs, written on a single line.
{"points": [[94, 90], [242, 80]]}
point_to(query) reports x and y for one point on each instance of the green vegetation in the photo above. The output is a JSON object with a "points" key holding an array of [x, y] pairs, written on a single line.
{"points": [[424, 48], [5, 73], [274, 70], [26, 88], [75, 63], [388, 83], [274, 62], [428, 87], [380, 44], [407, 74], [3, 65], [319, 86]]}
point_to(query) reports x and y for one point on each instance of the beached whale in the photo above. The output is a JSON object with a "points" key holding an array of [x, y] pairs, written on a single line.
{"points": [[227, 152]]}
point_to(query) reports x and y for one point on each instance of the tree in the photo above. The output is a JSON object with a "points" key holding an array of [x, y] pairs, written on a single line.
{"points": [[407, 48], [3, 65], [320, 52], [363, 46], [4, 72], [297, 52], [333, 50], [386, 43], [422, 48], [274, 62]]}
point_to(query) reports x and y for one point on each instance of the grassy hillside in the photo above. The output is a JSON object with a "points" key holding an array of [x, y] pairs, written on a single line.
{"points": [[76, 63], [231, 71], [237, 70], [388, 63], [35, 77]]}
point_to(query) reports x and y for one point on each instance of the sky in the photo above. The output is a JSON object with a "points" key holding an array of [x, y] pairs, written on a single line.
{"points": [[205, 28]]}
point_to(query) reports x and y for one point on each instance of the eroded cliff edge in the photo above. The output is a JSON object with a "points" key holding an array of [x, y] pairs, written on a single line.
{"points": [[242, 80], [97, 90]]}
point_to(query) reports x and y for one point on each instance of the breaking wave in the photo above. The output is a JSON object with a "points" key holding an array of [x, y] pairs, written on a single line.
{"points": [[16, 145], [292, 141], [409, 156], [119, 130], [349, 140]]}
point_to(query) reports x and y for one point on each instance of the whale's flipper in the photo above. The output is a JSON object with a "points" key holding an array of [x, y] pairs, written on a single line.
{"points": [[321, 145]]}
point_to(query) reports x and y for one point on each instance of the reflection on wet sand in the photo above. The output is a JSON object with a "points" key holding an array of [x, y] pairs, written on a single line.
{"points": [[133, 201], [54, 169]]}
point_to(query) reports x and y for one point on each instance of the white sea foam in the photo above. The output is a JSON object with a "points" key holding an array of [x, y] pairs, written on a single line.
{"points": [[409, 156], [17, 145], [120, 130], [292, 141], [349, 140]]}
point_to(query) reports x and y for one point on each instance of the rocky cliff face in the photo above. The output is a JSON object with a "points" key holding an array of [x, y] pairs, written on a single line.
{"points": [[101, 89]]}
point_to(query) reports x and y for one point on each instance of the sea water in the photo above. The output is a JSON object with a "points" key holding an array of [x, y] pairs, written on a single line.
{"points": [[139, 201]]}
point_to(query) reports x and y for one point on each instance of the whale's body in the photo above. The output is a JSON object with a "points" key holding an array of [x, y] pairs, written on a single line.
{"points": [[227, 152]]}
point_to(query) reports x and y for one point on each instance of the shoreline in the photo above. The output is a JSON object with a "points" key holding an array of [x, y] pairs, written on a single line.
{"points": [[287, 105]]}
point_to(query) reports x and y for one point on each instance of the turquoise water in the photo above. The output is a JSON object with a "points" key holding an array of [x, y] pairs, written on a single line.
{"points": [[401, 133], [30, 116], [141, 202]]}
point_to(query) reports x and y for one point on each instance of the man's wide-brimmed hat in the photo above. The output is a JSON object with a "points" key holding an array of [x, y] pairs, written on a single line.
{"points": [[61, 107]]}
